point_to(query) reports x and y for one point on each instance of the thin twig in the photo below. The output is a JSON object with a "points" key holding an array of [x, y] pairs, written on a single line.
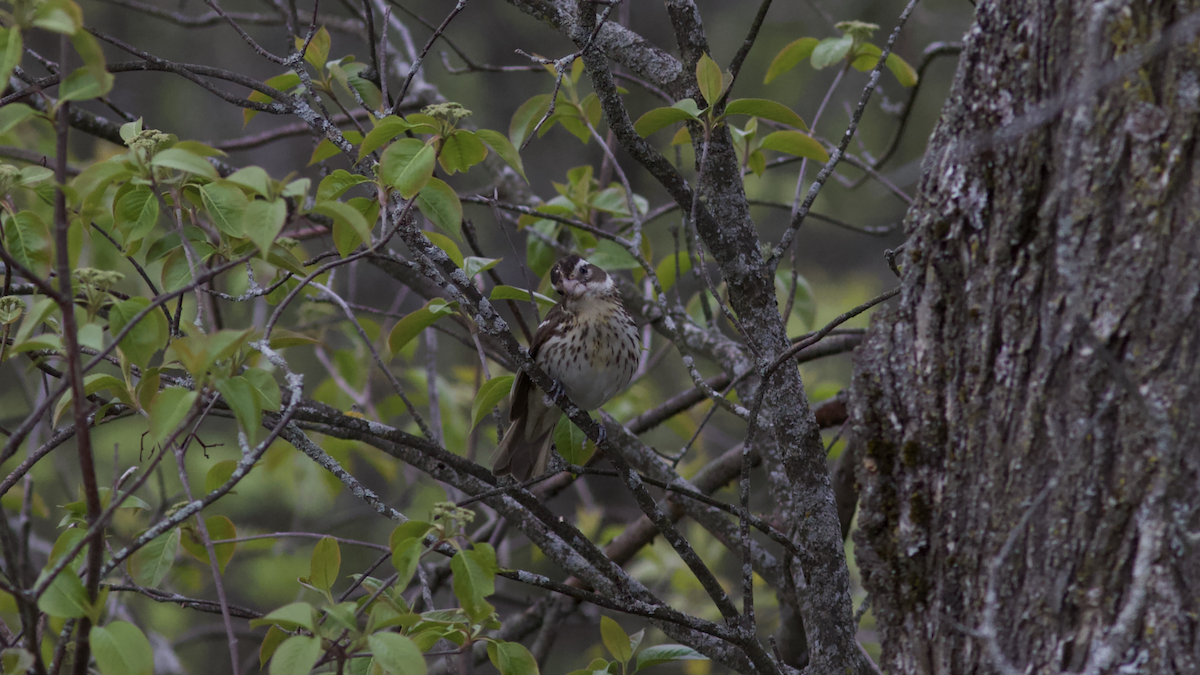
{"points": [[851, 129], [416, 64]]}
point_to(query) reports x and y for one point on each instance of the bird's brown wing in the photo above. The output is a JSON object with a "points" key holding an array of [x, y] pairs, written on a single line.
{"points": [[523, 385]]}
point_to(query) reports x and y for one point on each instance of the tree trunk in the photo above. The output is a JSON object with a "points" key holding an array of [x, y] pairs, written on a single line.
{"points": [[1028, 410]]}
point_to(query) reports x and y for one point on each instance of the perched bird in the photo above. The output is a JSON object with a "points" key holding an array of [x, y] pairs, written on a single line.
{"points": [[588, 344]]}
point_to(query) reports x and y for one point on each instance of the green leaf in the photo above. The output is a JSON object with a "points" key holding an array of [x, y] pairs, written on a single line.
{"points": [[89, 50], [326, 561], [396, 654], [266, 389], [789, 57], [709, 78], [82, 84], [346, 216], [490, 394], [240, 397], [253, 178], [219, 474], [653, 656], [795, 143], [512, 658], [514, 293], [298, 189], [281, 338], [411, 326], [473, 265], [757, 162], [13, 114], [136, 213], [408, 530], [11, 47], [611, 256], [101, 382], [27, 238], [461, 151], [766, 109], [219, 528], [611, 200], [176, 272], [446, 244], [397, 157], [500, 145], [688, 105], [324, 150], [659, 118], [570, 441], [274, 637], [15, 660], [417, 173], [349, 75], [385, 130], [58, 16], [146, 338], [38, 313], [121, 648], [592, 110], [65, 598], [168, 410], [473, 582], [198, 148], [526, 117], [225, 205], [636, 639], [831, 50], [130, 130], [539, 255], [11, 310], [342, 614], [805, 305], [283, 83], [368, 207], [905, 74], [335, 184], [868, 55], [198, 352], [615, 639], [89, 186], [318, 48], [296, 656], [66, 541], [77, 511], [289, 617], [262, 221], [865, 57], [665, 271], [406, 555], [440, 204], [183, 160]]}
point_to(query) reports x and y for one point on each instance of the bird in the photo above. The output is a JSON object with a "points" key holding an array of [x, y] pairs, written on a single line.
{"points": [[588, 344]]}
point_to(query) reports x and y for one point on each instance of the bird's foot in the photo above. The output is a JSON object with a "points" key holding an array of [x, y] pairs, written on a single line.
{"points": [[557, 391], [602, 434]]}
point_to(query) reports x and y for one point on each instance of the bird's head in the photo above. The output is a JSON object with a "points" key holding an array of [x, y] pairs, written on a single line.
{"points": [[575, 277]]}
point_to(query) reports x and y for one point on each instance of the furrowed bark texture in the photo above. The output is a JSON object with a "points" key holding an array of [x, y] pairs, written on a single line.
{"points": [[1038, 382]]}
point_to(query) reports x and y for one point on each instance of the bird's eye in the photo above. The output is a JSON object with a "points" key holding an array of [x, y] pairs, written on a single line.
{"points": [[586, 271]]}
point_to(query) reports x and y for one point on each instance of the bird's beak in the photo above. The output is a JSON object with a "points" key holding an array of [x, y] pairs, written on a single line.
{"points": [[573, 288]]}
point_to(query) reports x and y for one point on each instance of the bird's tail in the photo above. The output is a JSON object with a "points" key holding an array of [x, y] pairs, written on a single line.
{"points": [[524, 451]]}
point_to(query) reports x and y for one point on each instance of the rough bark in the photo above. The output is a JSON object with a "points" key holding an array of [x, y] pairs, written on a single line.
{"points": [[1036, 384]]}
